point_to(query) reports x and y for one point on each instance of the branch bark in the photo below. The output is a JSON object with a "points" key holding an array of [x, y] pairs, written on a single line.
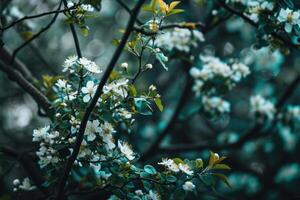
{"points": [[39, 97]]}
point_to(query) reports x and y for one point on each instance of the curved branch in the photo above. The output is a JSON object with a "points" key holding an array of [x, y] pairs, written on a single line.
{"points": [[39, 97], [89, 109], [6, 57]]}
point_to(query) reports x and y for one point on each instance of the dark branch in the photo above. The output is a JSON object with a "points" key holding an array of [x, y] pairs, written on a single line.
{"points": [[153, 149], [6, 57], [89, 109], [37, 16], [75, 37], [36, 35], [39, 97], [253, 133], [252, 23], [33, 172]]}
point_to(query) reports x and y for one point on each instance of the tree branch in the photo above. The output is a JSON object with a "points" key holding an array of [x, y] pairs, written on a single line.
{"points": [[39, 97], [89, 109], [37, 16], [252, 23], [33, 172], [36, 35], [183, 99], [253, 133], [74, 34], [6, 57]]}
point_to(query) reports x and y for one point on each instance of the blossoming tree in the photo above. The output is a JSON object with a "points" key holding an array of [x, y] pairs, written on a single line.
{"points": [[93, 141]]}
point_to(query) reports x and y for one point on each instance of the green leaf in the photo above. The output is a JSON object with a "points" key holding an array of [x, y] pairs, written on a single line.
{"points": [[132, 90], [115, 42], [175, 11], [221, 166], [151, 7], [150, 169], [178, 160], [159, 104], [84, 31], [223, 178], [142, 106], [199, 163], [171, 179], [162, 59]]}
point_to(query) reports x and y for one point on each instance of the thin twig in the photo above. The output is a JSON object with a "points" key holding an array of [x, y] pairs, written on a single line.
{"points": [[37, 16], [36, 35]]}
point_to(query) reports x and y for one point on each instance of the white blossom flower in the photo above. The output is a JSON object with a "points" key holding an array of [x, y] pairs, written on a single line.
{"points": [[69, 62], [90, 65], [126, 150], [16, 182], [186, 169], [152, 88], [197, 87], [149, 66], [263, 107], [87, 7], [92, 127], [240, 71], [89, 90], [289, 17], [39, 134], [62, 84], [188, 186], [124, 65], [26, 185], [118, 87], [124, 113], [170, 164], [106, 131]]}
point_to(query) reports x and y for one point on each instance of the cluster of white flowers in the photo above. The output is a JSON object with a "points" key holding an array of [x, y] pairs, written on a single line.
{"points": [[215, 105], [85, 7], [25, 185], [289, 19], [207, 81], [262, 107], [258, 6], [213, 68], [46, 139], [179, 39], [152, 195], [172, 166], [117, 87], [72, 63]]}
